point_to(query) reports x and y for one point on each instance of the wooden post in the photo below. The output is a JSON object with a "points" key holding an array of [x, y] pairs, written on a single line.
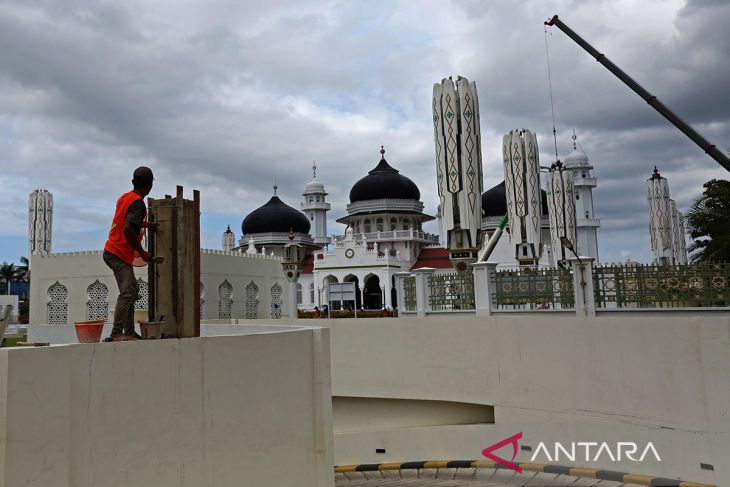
{"points": [[175, 284]]}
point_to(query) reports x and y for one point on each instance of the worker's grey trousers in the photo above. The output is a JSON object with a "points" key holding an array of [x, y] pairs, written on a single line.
{"points": [[128, 293]]}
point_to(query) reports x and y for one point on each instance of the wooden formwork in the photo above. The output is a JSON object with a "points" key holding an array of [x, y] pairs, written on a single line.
{"points": [[175, 284]]}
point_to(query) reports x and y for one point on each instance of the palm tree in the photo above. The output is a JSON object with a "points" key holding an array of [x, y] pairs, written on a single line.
{"points": [[8, 273], [707, 221], [24, 268]]}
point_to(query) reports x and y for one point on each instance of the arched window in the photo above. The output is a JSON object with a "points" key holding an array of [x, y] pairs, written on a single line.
{"points": [[57, 306], [311, 293], [299, 293], [379, 223], [225, 300], [276, 301], [252, 301], [393, 225], [143, 295], [366, 225], [406, 224], [97, 305]]}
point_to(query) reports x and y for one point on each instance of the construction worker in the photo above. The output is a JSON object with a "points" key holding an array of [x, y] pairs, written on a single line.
{"points": [[123, 246]]}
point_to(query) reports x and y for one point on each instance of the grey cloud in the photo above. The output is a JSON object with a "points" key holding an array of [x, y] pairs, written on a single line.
{"points": [[225, 96]]}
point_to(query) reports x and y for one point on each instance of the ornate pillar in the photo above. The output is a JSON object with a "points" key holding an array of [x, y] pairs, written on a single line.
{"points": [[484, 290], [585, 302], [422, 290]]}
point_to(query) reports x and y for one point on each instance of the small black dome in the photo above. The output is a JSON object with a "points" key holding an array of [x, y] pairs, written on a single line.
{"points": [[275, 216], [384, 182], [494, 201]]}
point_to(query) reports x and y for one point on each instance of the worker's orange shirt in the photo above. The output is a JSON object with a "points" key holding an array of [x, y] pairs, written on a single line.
{"points": [[117, 243]]}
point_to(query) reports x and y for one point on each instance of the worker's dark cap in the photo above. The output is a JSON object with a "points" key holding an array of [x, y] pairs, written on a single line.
{"points": [[142, 176]]}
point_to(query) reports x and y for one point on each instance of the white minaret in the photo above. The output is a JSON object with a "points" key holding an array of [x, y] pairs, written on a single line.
{"points": [[315, 207], [229, 240], [583, 182], [40, 219]]}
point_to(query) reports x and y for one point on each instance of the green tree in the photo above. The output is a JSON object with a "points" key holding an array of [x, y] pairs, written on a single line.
{"points": [[708, 222], [8, 272]]}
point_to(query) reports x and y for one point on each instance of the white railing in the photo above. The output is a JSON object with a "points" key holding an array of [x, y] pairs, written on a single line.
{"points": [[389, 236]]}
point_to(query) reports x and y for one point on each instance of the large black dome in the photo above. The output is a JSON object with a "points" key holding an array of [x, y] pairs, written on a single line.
{"points": [[384, 182], [275, 216], [494, 201]]}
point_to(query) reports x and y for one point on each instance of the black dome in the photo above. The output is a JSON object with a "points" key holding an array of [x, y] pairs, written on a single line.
{"points": [[384, 182], [494, 201], [275, 216]]}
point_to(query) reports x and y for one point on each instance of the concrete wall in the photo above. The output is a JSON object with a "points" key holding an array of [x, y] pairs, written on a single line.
{"points": [[78, 270], [632, 378], [233, 410]]}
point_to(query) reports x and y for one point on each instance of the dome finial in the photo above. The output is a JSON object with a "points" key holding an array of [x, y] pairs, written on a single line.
{"points": [[574, 137], [314, 169], [275, 186], [382, 151], [655, 174]]}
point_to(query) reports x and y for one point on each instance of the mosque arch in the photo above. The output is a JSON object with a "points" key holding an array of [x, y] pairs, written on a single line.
{"points": [[97, 303], [276, 301], [57, 307], [143, 295], [252, 301], [225, 300], [358, 294], [372, 292], [202, 299]]}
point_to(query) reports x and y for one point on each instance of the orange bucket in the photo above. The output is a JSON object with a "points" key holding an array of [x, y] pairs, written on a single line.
{"points": [[89, 331]]}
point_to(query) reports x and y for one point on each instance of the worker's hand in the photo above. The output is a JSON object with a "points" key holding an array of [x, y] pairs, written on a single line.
{"points": [[157, 259], [152, 226], [146, 256]]}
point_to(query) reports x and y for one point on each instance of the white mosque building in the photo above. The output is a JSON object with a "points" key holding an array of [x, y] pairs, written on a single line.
{"points": [[384, 233]]}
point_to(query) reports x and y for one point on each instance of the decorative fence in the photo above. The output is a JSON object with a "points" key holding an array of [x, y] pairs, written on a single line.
{"points": [[449, 292], [666, 286], [534, 289], [409, 293]]}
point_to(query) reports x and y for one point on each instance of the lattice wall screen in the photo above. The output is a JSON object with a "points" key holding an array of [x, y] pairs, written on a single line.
{"points": [[202, 299], [252, 301], [143, 295], [276, 301], [57, 306], [225, 300], [97, 307]]}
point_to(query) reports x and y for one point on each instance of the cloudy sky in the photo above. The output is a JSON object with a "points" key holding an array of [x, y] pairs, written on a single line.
{"points": [[225, 95]]}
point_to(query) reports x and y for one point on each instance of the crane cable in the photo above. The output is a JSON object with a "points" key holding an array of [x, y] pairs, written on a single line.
{"points": [[550, 87]]}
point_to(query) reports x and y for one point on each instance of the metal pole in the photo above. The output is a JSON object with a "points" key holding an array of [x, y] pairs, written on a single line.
{"points": [[652, 100]]}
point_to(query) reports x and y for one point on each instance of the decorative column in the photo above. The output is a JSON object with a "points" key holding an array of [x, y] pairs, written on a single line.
{"points": [[484, 287], [585, 301], [561, 205], [457, 141], [660, 212], [422, 290], [522, 186]]}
